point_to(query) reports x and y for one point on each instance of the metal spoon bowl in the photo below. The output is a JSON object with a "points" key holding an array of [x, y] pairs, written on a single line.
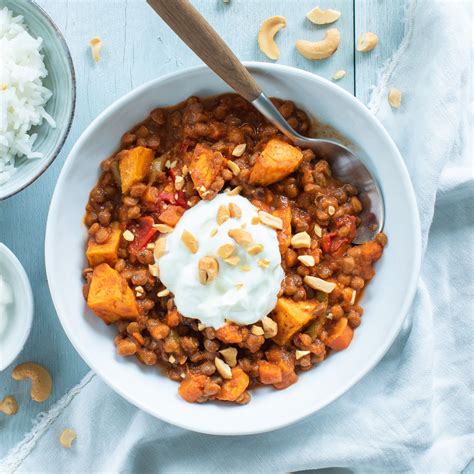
{"points": [[194, 30], [346, 166]]}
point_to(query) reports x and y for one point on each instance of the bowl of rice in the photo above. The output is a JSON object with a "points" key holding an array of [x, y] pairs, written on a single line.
{"points": [[37, 93]]}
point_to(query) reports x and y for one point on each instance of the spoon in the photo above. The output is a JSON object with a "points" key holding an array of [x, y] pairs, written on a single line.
{"points": [[196, 32]]}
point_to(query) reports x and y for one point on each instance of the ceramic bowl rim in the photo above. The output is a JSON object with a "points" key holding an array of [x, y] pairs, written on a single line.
{"points": [[18, 268], [381, 350], [46, 163]]}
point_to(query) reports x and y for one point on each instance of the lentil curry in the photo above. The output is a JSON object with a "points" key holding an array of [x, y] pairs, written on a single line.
{"points": [[166, 165]]}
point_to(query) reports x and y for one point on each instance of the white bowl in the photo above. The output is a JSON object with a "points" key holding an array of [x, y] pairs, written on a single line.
{"points": [[20, 319], [386, 299]]}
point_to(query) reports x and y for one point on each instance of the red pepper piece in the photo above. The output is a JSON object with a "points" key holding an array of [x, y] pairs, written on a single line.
{"points": [[339, 246], [326, 241], [143, 232], [167, 198]]}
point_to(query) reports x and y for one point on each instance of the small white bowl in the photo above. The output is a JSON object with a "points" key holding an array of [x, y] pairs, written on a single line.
{"points": [[20, 319], [386, 300]]}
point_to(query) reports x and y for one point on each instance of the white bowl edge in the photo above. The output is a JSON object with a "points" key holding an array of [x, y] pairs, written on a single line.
{"points": [[187, 417]]}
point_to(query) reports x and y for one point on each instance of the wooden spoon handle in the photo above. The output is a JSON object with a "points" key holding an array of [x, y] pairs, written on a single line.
{"points": [[196, 32]]}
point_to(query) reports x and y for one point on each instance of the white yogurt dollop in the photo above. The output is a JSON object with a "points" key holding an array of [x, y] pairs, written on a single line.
{"points": [[6, 298], [242, 293]]}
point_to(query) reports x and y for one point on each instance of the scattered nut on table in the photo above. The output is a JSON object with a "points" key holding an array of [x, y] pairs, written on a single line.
{"points": [[41, 381], [367, 42], [266, 36], [339, 74], [96, 45], [320, 49], [394, 97], [323, 17], [8, 405], [67, 437]]}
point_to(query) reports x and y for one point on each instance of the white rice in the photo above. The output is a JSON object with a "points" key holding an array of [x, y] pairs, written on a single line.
{"points": [[22, 95]]}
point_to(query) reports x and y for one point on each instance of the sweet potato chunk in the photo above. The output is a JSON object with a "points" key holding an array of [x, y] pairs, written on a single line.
{"points": [[205, 167], [269, 373], [230, 334], [236, 386], [192, 387], [110, 297], [277, 160], [291, 316], [284, 235], [106, 252], [134, 166], [171, 215]]}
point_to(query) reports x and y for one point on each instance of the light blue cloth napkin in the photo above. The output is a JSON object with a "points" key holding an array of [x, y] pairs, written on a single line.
{"points": [[414, 411]]}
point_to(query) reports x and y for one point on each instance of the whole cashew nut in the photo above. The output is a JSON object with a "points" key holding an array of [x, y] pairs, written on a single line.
{"points": [[367, 42], [395, 97], [322, 17], [67, 437], [41, 381], [266, 42], [8, 405], [320, 49]]}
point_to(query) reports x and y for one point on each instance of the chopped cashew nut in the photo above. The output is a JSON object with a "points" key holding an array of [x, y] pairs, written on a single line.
{"points": [[301, 240], [367, 42], [318, 231], [266, 36], [318, 284], [300, 354], [255, 249], [270, 221], [201, 327], [235, 191], [239, 149], [353, 297], [270, 327], [395, 97], [223, 368], [230, 356], [41, 381], [339, 74], [234, 261], [257, 330], [163, 228], [160, 247], [234, 167], [8, 405], [222, 214], [307, 260], [128, 236], [331, 210], [163, 293], [320, 49], [241, 236], [190, 241], [323, 17], [67, 437], [179, 183], [154, 270], [96, 45], [208, 269], [226, 250], [235, 211]]}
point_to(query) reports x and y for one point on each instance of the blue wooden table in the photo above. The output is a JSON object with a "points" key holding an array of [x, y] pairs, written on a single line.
{"points": [[137, 48]]}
